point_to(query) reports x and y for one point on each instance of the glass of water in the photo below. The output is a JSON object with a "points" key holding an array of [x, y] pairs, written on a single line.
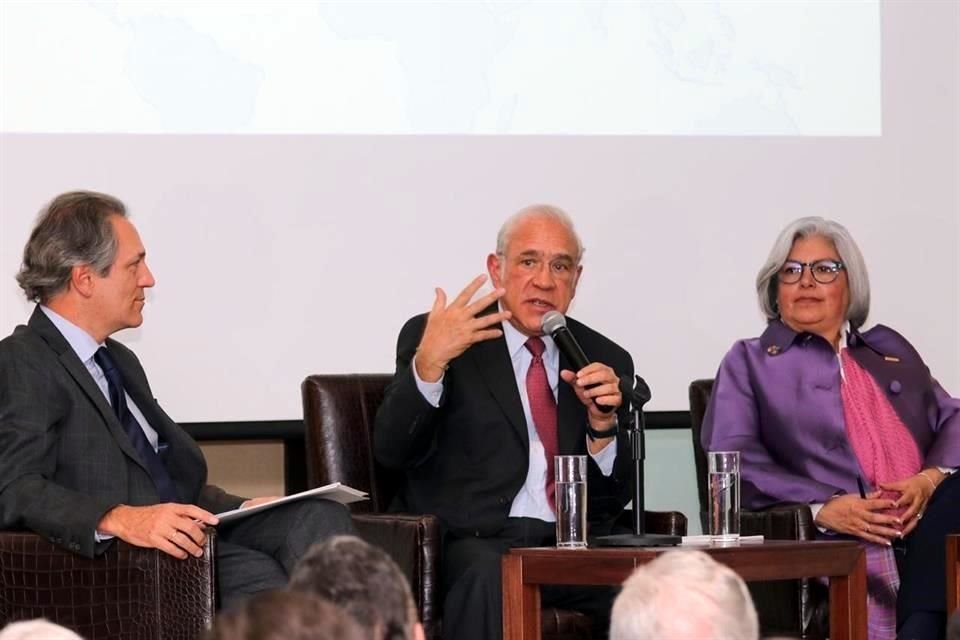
{"points": [[571, 501], [723, 491]]}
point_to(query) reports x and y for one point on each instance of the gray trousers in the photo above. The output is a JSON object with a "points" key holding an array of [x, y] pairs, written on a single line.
{"points": [[259, 552]]}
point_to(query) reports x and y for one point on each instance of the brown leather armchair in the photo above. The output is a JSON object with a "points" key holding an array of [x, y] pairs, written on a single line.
{"points": [[785, 607], [128, 593], [338, 415]]}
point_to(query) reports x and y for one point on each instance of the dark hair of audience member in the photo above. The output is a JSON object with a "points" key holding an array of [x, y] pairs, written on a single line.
{"points": [[285, 615], [361, 579]]}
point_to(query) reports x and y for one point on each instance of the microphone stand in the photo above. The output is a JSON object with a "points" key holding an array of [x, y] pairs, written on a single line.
{"points": [[637, 395]]}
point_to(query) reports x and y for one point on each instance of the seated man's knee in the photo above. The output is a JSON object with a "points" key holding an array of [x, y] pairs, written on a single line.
{"points": [[325, 516]]}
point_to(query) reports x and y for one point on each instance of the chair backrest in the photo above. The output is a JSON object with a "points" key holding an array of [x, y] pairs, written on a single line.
{"points": [[700, 391], [338, 415]]}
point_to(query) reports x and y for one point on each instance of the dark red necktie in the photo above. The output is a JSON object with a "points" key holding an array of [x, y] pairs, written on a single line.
{"points": [[543, 408]]}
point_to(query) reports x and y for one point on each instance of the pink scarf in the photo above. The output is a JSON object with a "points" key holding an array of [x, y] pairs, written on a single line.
{"points": [[882, 443], [887, 453]]}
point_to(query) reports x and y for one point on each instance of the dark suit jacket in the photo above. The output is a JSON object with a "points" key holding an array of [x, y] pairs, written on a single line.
{"points": [[65, 459], [466, 460]]}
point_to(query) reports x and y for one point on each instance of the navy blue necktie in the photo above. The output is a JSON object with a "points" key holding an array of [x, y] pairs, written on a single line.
{"points": [[118, 399]]}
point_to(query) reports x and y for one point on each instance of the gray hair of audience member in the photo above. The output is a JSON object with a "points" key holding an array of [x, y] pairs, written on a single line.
{"points": [[536, 211], [73, 230], [37, 630], [684, 594], [953, 626], [364, 581], [853, 263], [285, 615]]}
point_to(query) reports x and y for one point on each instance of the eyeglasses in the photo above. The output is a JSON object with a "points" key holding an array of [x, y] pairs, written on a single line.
{"points": [[823, 271]]}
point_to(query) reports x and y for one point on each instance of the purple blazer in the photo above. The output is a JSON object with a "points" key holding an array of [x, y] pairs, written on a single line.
{"points": [[776, 400]]}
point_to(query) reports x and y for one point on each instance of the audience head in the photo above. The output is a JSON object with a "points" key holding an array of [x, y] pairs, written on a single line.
{"points": [[285, 615], [37, 630], [537, 261], [953, 626], [684, 594], [822, 298], [85, 260], [365, 582]]}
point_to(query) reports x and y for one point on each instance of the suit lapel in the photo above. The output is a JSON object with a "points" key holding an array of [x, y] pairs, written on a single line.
{"points": [[492, 360], [78, 371]]}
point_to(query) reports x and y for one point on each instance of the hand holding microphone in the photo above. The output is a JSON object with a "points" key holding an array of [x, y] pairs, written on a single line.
{"points": [[596, 384]]}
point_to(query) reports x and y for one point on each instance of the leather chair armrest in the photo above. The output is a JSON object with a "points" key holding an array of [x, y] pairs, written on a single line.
{"points": [[782, 522], [124, 593], [413, 541]]}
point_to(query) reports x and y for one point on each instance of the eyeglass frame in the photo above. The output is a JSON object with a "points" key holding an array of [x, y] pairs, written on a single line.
{"points": [[837, 266]]}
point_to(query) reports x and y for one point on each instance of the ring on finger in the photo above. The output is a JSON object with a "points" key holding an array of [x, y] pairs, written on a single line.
{"points": [[866, 527]]}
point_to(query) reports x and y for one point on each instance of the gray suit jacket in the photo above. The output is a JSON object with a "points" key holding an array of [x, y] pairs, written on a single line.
{"points": [[65, 459]]}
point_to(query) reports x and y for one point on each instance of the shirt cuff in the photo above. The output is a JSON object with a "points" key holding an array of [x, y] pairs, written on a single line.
{"points": [[605, 457], [101, 537], [946, 470], [814, 510], [431, 391]]}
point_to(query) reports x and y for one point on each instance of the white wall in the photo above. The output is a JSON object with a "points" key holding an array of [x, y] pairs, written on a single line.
{"points": [[279, 256]]}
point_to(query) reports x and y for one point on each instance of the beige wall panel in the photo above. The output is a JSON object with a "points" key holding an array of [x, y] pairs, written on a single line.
{"points": [[246, 468]]}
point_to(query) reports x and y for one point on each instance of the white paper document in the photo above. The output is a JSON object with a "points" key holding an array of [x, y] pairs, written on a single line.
{"points": [[705, 540], [336, 491]]}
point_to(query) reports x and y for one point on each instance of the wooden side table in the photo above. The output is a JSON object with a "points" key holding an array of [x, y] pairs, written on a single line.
{"points": [[844, 562]]}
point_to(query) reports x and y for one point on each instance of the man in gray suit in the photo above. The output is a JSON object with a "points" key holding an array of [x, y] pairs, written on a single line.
{"points": [[86, 453]]}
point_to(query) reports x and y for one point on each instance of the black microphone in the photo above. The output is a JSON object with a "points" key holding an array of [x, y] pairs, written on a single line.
{"points": [[554, 325]]}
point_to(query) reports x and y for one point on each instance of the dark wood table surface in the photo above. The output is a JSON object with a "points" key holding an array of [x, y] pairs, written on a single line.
{"points": [[844, 562]]}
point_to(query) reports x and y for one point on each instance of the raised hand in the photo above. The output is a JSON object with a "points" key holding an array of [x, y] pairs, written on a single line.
{"points": [[452, 329], [607, 393], [175, 529], [860, 517]]}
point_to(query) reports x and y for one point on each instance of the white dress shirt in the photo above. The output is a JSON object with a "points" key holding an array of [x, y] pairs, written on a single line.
{"points": [[85, 347], [531, 500]]}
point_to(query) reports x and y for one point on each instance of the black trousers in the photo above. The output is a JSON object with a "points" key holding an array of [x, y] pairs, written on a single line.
{"points": [[473, 599], [259, 552], [922, 600]]}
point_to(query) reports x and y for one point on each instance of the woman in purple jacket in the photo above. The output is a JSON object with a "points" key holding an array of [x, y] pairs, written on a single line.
{"points": [[816, 408]]}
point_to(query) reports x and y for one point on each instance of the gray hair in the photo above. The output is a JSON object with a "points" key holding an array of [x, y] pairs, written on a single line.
{"points": [[363, 581], [38, 629], [853, 263], [536, 211], [73, 230], [684, 594]]}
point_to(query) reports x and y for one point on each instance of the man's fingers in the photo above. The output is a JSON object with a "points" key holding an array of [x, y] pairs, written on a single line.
{"points": [[484, 301], [196, 513], [488, 320], [596, 377], [609, 401], [487, 334], [169, 548], [465, 295], [192, 531], [182, 540], [439, 300]]}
